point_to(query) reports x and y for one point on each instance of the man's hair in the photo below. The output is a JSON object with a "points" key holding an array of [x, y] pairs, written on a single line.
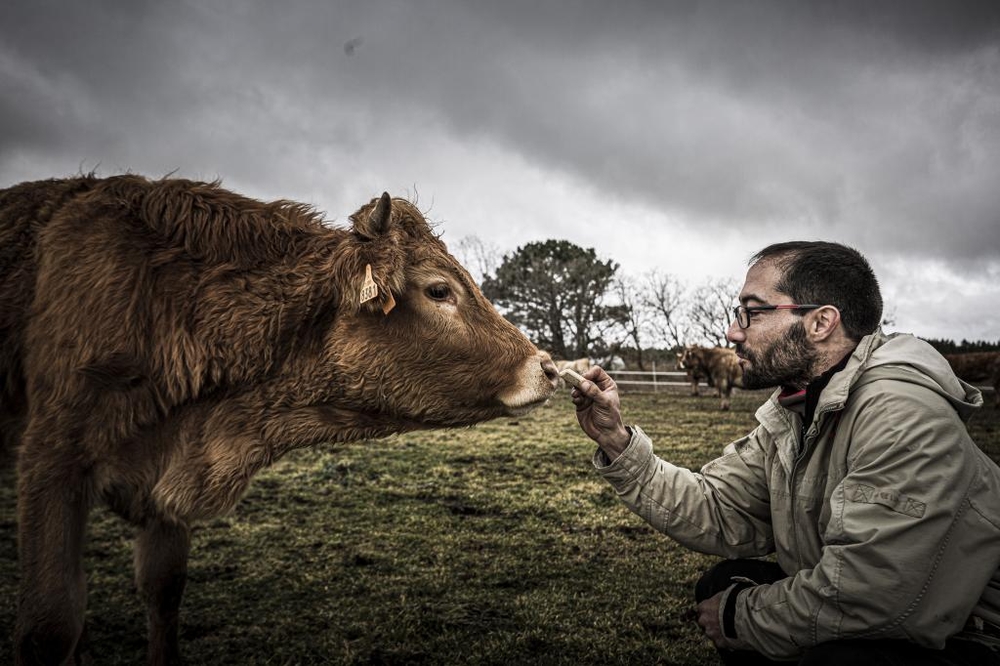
{"points": [[827, 273]]}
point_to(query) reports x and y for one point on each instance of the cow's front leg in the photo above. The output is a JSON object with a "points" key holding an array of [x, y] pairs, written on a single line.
{"points": [[161, 555], [52, 514], [724, 392]]}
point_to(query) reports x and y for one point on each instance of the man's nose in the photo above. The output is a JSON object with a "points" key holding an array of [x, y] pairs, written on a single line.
{"points": [[734, 333]]}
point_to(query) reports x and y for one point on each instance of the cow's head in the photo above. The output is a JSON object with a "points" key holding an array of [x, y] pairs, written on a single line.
{"points": [[423, 347], [688, 358]]}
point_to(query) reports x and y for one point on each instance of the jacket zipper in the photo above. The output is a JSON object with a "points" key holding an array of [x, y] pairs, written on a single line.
{"points": [[803, 443], [800, 455]]}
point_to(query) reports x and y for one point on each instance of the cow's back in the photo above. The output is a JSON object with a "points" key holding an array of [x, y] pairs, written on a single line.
{"points": [[24, 210]]}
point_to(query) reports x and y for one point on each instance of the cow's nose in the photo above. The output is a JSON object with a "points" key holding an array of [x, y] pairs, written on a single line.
{"points": [[550, 370]]}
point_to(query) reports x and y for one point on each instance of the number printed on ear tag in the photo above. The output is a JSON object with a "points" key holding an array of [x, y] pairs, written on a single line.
{"points": [[369, 289]]}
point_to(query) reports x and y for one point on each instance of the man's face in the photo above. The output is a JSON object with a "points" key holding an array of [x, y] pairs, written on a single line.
{"points": [[774, 350]]}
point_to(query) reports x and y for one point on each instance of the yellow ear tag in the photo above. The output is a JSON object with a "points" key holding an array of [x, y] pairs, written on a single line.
{"points": [[369, 289]]}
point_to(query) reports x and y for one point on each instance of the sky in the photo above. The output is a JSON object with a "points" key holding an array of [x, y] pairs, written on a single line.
{"points": [[676, 136]]}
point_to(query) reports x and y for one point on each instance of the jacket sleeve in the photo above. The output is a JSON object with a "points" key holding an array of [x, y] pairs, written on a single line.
{"points": [[723, 510], [893, 523]]}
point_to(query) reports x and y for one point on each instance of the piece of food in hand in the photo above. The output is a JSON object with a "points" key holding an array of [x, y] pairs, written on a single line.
{"points": [[571, 376]]}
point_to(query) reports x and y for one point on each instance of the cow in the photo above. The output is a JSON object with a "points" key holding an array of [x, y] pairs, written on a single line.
{"points": [[718, 366], [161, 341], [978, 367]]}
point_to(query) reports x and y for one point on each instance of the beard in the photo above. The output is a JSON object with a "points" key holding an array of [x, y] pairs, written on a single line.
{"points": [[788, 361]]}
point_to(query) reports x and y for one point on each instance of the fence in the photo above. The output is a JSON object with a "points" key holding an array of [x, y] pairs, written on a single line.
{"points": [[655, 380], [649, 380]]}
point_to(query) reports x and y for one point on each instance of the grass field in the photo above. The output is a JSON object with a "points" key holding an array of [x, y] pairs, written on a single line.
{"points": [[492, 545]]}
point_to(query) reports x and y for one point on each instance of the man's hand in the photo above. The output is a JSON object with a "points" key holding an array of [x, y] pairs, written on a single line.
{"points": [[599, 412], [708, 620]]}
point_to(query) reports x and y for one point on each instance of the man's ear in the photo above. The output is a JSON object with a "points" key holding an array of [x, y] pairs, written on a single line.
{"points": [[822, 322]]}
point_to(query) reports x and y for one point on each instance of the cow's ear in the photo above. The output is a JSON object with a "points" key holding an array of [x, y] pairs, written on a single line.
{"points": [[372, 261], [376, 223]]}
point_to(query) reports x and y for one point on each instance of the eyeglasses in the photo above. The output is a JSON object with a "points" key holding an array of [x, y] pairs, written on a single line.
{"points": [[742, 312]]}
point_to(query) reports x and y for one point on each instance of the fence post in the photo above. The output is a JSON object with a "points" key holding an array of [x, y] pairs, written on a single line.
{"points": [[654, 376]]}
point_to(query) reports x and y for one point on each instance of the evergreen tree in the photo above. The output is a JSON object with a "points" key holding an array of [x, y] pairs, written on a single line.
{"points": [[555, 291]]}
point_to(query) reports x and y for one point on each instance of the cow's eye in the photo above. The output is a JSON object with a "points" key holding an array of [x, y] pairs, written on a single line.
{"points": [[439, 292]]}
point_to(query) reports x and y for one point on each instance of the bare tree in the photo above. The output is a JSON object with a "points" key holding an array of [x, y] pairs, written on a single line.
{"points": [[664, 298], [711, 310], [632, 316], [889, 318], [480, 258]]}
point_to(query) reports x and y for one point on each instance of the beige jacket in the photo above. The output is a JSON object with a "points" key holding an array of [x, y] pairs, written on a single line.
{"points": [[886, 516]]}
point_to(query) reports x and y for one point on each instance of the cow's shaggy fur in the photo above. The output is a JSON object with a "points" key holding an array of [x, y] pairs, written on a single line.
{"points": [[161, 341], [717, 366]]}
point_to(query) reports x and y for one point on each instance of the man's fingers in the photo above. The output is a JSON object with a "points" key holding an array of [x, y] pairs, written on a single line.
{"points": [[598, 376], [580, 397], [708, 619]]}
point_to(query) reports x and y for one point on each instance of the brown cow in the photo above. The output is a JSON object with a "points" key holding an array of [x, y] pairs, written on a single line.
{"points": [[718, 366], [977, 367], [162, 341]]}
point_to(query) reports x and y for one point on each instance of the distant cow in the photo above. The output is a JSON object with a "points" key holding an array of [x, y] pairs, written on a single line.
{"points": [[162, 341], [718, 366], [580, 365], [978, 367], [612, 362]]}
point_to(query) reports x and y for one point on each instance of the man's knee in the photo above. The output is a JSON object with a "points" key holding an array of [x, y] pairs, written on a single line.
{"points": [[722, 575], [896, 653], [837, 652]]}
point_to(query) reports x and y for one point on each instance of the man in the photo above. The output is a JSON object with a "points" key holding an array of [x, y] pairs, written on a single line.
{"points": [[861, 478]]}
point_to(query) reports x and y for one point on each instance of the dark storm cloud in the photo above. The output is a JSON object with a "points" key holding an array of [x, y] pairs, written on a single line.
{"points": [[826, 116], [878, 123]]}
